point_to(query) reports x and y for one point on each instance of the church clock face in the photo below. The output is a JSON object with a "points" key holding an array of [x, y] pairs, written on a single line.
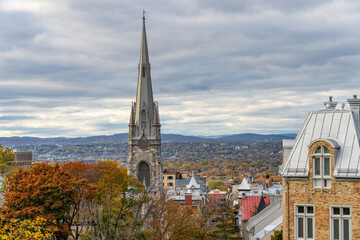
{"points": [[143, 144]]}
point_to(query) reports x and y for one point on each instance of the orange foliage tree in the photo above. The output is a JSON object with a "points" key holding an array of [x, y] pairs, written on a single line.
{"points": [[43, 190]]}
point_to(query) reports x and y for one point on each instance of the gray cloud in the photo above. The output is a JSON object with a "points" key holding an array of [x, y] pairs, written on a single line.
{"points": [[69, 68]]}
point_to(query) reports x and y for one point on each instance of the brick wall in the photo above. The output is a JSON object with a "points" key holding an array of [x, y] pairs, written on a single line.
{"points": [[303, 192]]}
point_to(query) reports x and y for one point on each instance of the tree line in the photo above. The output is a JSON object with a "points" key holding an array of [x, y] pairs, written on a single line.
{"points": [[80, 200]]}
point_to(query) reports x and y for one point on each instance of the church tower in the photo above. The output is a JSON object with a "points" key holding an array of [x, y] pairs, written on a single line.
{"points": [[145, 160]]}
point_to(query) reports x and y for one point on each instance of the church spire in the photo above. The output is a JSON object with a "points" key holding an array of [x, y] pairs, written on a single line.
{"points": [[145, 160], [144, 109]]}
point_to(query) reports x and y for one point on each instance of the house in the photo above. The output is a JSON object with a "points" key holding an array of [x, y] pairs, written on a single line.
{"points": [[216, 200], [170, 179], [321, 175], [249, 207], [263, 224], [194, 193]]}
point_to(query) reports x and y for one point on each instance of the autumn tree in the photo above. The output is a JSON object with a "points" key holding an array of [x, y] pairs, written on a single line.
{"points": [[116, 209], [84, 177], [44, 190], [170, 221], [35, 229]]}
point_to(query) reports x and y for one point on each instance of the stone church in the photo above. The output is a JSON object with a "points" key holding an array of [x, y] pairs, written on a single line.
{"points": [[145, 160]]}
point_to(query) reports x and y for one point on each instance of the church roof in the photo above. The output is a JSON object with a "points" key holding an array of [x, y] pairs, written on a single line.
{"points": [[338, 127], [262, 205], [244, 186], [193, 183]]}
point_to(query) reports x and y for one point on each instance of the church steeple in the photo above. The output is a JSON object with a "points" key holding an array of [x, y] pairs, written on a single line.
{"points": [[144, 109], [145, 161]]}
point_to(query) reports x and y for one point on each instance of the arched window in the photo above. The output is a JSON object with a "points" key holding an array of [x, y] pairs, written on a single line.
{"points": [[322, 167], [143, 119], [143, 173]]}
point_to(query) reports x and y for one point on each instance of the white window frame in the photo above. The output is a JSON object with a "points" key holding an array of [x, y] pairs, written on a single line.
{"points": [[305, 216], [322, 177], [341, 218]]}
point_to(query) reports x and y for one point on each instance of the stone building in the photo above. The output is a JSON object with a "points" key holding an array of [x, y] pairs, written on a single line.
{"points": [[321, 175], [145, 160]]}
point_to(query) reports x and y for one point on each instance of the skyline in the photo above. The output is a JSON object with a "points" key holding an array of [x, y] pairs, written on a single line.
{"points": [[70, 69]]}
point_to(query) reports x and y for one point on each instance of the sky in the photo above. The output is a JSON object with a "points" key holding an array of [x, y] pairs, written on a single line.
{"points": [[69, 68]]}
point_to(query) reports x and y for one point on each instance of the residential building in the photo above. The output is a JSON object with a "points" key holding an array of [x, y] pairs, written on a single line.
{"points": [[249, 207], [216, 200], [23, 158], [321, 175], [194, 193], [262, 225], [170, 179]]}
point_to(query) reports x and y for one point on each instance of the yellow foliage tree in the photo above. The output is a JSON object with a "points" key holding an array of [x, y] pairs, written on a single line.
{"points": [[25, 230]]}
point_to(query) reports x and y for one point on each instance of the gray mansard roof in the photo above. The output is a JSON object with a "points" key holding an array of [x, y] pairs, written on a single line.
{"points": [[338, 127]]}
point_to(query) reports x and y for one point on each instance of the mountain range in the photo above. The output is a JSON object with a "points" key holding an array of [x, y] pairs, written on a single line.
{"points": [[123, 137]]}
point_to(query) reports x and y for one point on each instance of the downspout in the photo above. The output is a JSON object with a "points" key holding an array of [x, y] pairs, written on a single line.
{"points": [[288, 208]]}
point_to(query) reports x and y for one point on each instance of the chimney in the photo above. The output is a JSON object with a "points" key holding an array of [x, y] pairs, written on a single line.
{"points": [[355, 108], [188, 199], [330, 105]]}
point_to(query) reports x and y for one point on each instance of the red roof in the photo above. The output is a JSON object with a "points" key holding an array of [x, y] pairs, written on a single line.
{"points": [[250, 204]]}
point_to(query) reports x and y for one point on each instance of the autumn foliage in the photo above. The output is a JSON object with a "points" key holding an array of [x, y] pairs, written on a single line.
{"points": [[45, 191]]}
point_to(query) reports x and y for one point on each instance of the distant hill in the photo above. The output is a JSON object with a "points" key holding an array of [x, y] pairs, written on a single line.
{"points": [[123, 137], [251, 137]]}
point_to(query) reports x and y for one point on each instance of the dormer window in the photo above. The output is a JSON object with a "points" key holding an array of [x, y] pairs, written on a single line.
{"points": [[321, 166]]}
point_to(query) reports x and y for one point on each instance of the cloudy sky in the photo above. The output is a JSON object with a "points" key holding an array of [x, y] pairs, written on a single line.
{"points": [[69, 68]]}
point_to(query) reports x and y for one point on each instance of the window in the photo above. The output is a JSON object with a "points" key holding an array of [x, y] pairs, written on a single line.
{"points": [[340, 223], [321, 165], [170, 177], [143, 119], [143, 71], [170, 184], [304, 222]]}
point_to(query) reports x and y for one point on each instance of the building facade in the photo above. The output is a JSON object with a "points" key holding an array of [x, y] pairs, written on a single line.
{"points": [[321, 176], [145, 160]]}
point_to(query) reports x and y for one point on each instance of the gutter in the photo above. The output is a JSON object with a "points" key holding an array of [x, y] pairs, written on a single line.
{"points": [[288, 209]]}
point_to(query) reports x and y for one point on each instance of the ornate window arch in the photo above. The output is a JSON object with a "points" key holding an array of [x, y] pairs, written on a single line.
{"points": [[143, 173]]}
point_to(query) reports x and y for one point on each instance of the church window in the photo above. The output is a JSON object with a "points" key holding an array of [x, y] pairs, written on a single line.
{"points": [[321, 164], [340, 223], [143, 173], [143, 71], [304, 222], [143, 119]]}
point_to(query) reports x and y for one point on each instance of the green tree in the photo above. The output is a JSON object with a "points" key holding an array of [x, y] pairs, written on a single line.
{"points": [[278, 235], [6, 159], [216, 184], [225, 227]]}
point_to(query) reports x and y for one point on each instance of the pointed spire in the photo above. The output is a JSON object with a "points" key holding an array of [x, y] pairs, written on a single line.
{"points": [[144, 109], [262, 205], [156, 121], [132, 119]]}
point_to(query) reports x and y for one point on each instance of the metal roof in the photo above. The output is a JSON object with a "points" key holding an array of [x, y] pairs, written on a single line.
{"points": [[336, 126]]}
